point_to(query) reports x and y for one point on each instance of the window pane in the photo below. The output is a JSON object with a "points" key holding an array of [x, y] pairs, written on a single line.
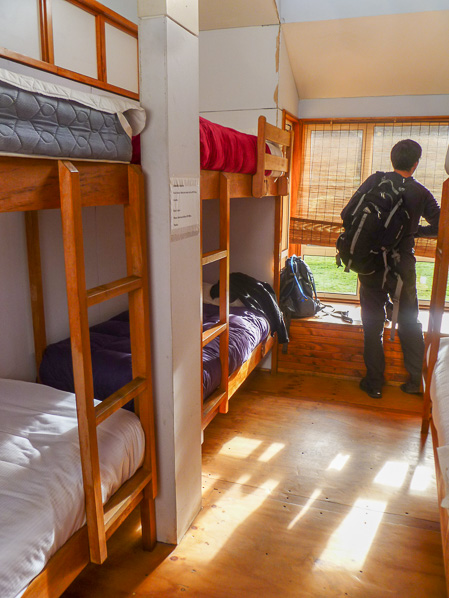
{"points": [[329, 278], [434, 140], [333, 170]]}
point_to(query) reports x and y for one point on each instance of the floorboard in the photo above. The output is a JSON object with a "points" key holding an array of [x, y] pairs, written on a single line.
{"points": [[310, 489]]}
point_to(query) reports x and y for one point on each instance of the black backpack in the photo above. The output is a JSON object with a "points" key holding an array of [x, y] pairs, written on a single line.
{"points": [[373, 226], [298, 298]]}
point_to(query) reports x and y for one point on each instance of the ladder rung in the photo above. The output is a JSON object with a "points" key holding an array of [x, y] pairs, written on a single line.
{"points": [[214, 256], [113, 289], [122, 502], [119, 398], [211, 333], [214, 400]]}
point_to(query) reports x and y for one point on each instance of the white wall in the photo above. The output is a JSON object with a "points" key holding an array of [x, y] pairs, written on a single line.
{"points": [[431, 105], [245, 73], [297, 11], [170, 148]]}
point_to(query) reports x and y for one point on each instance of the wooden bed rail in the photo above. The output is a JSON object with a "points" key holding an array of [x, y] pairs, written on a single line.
{"points": [[437, 302], [266, 161]]}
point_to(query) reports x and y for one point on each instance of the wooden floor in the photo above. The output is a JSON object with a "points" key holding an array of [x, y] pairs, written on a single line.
{"points": [[310, 489]]}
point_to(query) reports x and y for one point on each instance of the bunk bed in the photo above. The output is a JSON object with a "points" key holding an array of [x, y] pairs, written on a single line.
{"points": [[235, 164], [93, 462], [436, 373]]}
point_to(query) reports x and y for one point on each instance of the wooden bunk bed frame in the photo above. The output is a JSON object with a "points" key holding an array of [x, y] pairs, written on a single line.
{"points": [[224, 186], [433, 336], [30, 185]]}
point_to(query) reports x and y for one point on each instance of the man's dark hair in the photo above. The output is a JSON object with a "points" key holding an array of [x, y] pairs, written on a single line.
{"points": [[405, 154]]}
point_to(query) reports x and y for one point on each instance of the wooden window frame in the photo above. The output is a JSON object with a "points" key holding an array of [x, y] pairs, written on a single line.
{"points": [[102, 15], [368, 126]]}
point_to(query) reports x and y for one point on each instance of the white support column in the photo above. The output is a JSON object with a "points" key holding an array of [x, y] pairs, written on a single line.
{"points": [[168, 43]]}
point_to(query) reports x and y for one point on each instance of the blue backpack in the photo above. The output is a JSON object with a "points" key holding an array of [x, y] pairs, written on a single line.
{"points": [[298, 298]]}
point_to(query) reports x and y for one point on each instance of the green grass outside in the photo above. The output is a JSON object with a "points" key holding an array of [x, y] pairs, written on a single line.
{"points": [[331, 279]]}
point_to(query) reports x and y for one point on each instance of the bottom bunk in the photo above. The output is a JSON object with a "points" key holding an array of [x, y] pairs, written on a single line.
{"points": [[439, 425], [254, 322], [43, 536], [249, 340]]}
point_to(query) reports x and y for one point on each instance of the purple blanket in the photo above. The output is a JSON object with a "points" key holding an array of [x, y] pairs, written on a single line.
{"points": [[247, 328], [111, 352]]}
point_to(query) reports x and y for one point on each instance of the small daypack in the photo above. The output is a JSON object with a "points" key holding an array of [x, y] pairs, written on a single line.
{"points": [[373, 227], [298, 298]]}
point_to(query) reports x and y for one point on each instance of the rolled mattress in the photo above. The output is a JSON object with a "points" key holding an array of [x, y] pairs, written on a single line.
{"points": [[43, 119]]}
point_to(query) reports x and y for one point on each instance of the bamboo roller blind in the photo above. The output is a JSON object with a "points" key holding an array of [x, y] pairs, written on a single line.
{"points": [[336, 157]]}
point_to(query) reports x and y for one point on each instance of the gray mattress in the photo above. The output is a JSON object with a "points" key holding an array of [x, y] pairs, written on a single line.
{"points": [[39, 125]]}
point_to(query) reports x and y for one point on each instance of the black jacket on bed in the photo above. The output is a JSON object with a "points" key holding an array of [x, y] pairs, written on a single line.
{"points": [[256, 295]]}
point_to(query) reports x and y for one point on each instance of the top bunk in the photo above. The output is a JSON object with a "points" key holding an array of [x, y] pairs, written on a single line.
{"points": [[255, 166], [43, 123]]}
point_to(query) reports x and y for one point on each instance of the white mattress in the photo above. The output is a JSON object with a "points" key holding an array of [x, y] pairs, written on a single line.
{"points": [[41, 491], [439, 392]]}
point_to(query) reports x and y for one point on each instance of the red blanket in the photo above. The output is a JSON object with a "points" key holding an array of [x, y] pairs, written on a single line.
{"points": [[227, 150]]}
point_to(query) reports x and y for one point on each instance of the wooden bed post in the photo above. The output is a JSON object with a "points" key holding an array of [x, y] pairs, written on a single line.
{"points": [[36, 288], [438, 298], [225, 215]]}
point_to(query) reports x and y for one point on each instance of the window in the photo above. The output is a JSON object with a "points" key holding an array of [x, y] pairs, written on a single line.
{"points": [[336, 157]]}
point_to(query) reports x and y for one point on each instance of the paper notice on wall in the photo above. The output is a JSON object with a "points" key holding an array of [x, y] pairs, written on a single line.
{"points": [[185, 207]]}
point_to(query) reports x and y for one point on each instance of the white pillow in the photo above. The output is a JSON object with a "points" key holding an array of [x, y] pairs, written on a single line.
{"points": [[208, 299]]}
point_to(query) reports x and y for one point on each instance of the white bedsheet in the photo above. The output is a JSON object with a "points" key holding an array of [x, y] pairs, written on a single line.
{"points": [[439, 392], [41, 491]]}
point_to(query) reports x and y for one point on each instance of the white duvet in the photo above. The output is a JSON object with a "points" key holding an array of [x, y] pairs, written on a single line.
{"points": [[439, 392], [41, 491]]}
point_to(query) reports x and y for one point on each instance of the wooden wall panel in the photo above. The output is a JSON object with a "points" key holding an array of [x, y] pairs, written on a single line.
{"points": [[336, 349]]}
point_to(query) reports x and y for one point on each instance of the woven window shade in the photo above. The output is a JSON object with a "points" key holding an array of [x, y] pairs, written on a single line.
{"points": [[337, 157]]}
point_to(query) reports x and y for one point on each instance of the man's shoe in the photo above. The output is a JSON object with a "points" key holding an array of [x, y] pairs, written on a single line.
{"points": [[371, 392], [411, 388]]}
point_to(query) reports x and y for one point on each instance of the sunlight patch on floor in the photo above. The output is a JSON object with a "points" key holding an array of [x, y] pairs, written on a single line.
{"points": [[315, 494], [271, 451], [350, 543], [422, 479], [222, 525], [392, 474], [240, 447], [338, 462]]}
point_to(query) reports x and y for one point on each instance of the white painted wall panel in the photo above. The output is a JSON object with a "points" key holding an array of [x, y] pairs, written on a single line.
{"points": [[19, 27], [238, 69], [288, 94], [121, 59], [16, 332], [74, 38], [297, 11], [170, 147], [243, 120], [431, 105]]}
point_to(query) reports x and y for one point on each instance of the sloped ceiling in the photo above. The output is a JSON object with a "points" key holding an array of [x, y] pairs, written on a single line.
{"points": [[370, 56], [380, 55]]}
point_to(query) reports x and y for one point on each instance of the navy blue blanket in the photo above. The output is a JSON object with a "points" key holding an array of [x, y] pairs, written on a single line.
{"points": [[111, 352]]}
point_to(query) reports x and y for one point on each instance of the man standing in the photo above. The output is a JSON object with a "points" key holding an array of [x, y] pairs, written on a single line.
{"points": [[374, 293]]}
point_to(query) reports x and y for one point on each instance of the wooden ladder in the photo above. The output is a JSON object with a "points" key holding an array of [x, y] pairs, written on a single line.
{"points": [[220, 397], [102, 521], [437, 302]]}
